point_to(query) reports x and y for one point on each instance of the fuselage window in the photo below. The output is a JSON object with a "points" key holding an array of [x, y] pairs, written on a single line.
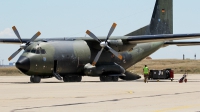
{"points": [[38, 51], [33, 50]]}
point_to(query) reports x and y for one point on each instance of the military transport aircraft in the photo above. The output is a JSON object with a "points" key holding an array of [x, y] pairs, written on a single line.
{"points": [[70, 58]]}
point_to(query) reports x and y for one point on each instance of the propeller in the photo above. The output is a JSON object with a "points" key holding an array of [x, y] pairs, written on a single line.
{"points": [[104, 44], [23, 45]]}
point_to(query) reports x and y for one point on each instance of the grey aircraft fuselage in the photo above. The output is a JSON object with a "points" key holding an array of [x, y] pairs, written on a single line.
{"points": [[72, 56]]}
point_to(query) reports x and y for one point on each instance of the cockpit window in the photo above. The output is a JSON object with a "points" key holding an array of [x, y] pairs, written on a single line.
{"points": [[38, 51], [43, 51], [33, 50]]}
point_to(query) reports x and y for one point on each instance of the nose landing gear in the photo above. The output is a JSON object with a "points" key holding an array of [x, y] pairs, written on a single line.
{"points": [[35, 79]]}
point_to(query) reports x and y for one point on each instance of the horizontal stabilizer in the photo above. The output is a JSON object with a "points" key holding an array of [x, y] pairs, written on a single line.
{"points": [[191, 43]]}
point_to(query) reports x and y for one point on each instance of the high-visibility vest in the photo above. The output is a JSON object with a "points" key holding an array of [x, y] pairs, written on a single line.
{"points": [[146, 70]]}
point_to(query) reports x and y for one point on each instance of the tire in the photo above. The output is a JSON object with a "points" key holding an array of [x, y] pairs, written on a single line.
{"points": [[115, 78], [102, 78], [105, 78], [31, 78], [79, 78], [108, 78], [72, 78], [66, 79], [35, 79]]}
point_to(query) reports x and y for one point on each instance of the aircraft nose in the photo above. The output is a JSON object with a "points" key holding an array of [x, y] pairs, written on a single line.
{"points": [[23, 64]]}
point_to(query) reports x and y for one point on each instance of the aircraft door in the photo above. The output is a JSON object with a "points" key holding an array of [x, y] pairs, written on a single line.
{"points": [[44, 63], [55, 66]]}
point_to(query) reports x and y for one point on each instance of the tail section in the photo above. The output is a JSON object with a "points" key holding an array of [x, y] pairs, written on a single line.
{"points": [[162, 18], [161, 21]]}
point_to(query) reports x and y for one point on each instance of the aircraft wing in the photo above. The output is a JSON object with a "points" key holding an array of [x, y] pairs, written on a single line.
{"points": [[129, 39], [162, 37], [191, 43], [13, 41]]}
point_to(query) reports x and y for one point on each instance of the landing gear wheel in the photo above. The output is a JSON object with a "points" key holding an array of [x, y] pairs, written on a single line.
{"points": [[102, 78], [78, 78], [35, 79], [108, 78], [72, 78], [66, 79], [115, 78], [105, 78], [31, 78]]}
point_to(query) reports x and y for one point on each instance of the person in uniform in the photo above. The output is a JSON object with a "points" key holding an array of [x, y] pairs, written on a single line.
{"points": [[146, 73]]}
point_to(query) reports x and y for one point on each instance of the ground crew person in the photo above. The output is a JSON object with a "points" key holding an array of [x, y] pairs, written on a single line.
{"points": [[146, 73]]}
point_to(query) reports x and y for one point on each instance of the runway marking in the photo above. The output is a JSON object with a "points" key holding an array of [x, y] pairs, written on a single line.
{"points": [[178, 108]]}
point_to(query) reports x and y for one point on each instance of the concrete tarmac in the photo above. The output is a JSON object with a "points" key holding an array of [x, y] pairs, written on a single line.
{"points": [[17, 94]]}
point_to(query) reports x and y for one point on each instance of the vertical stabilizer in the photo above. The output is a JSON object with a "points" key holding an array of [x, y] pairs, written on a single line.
{"points": [[161, 21], [162, 18]]}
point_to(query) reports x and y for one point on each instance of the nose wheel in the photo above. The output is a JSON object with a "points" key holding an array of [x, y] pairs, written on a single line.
{"points": [[35, 79]]}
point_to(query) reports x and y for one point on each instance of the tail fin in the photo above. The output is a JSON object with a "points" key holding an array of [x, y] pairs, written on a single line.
{"points": [[161, 21]]}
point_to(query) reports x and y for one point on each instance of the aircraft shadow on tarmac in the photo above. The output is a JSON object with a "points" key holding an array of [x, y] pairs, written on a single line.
{"points": [[120, 81], [102, 101]]}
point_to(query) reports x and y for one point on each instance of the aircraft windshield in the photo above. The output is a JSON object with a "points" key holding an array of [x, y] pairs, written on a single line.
{"points": [[36, 51], [33, 50]]}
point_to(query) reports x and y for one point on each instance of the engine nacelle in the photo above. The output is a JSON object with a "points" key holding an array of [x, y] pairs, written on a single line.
{"points": [[119, 46]]}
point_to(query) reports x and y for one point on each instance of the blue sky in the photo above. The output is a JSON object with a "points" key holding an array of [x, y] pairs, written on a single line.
{"points": [[71, 18]]}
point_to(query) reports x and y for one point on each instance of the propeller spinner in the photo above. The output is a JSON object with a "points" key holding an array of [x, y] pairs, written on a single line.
{"points": [[23, 45], [104, 44]]}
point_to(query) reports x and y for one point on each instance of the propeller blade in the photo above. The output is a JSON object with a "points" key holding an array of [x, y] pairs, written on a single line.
{"points": [[35, 36], [111, 31], [14, 54], [115, 53], [17, 33], [97, 57], [93, 36]]}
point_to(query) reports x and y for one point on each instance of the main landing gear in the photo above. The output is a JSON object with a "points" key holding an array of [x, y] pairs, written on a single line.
{"points": [[75, 78], [105, 78], [35, 79]]}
